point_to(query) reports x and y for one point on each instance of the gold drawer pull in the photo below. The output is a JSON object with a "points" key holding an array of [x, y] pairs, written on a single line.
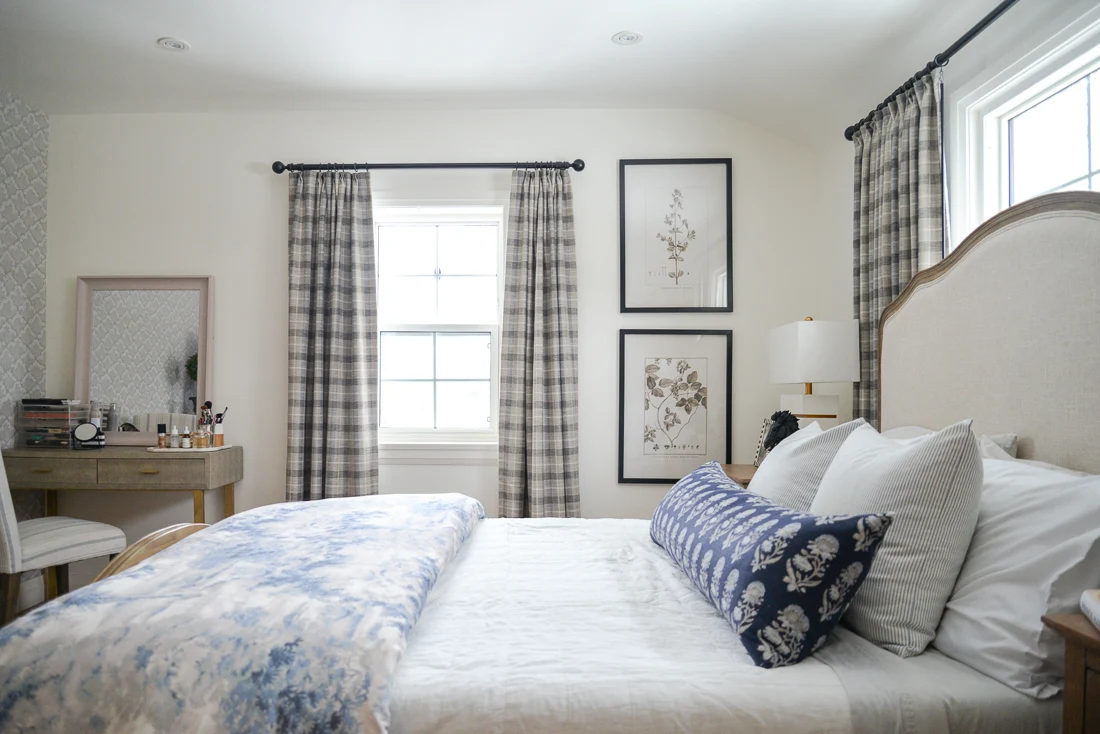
{"points": [[150, 471], [41, 471]]}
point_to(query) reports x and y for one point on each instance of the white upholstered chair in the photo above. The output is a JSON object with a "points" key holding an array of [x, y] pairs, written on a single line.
{"points": [[44, 543]]}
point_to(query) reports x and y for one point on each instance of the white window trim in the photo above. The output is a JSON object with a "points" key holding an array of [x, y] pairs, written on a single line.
{"points": [[452, 446], [981, 118], [442, 450]]}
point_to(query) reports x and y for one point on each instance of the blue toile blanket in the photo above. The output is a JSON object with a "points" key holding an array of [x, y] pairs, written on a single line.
{"points": [[288, 618]]}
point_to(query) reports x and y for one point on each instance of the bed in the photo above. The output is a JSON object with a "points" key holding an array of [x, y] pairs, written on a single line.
{"points": [[325, 618]]}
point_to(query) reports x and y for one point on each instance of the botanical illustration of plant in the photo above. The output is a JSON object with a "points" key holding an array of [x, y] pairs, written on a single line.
{"points": [[675, 395], [678, 236]]}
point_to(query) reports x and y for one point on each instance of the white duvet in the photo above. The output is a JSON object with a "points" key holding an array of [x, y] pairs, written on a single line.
{"points": [[587, 626]]}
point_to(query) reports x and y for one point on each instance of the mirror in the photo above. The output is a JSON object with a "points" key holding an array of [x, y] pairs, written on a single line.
{"points": [[143, 345]]}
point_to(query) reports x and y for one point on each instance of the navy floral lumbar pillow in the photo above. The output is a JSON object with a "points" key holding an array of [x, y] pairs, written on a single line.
{"points": [[782, 578]]}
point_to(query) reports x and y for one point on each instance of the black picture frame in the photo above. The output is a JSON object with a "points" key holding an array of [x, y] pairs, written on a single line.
{"points": [[727, 402], [728, 163]]}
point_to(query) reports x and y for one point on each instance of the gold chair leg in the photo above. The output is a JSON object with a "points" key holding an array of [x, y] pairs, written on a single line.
{"points": [[62, 572], [9, 597]]}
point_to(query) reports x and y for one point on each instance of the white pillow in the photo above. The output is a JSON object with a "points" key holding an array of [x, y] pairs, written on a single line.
{"points": [[1036, 548], [932, 487], [790, 473], [1006, 442], [992, 451]]}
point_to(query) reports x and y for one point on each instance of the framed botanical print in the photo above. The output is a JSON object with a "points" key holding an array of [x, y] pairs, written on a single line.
{"points": [[674, 402], [675, 235]]}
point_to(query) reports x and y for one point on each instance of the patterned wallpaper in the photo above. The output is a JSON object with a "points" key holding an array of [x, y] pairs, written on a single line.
{"points": [[24, 140], [140, 344]]}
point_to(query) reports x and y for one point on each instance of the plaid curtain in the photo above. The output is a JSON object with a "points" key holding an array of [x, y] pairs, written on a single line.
{"points": [[332, 431], [899, 217], [538, 363]]}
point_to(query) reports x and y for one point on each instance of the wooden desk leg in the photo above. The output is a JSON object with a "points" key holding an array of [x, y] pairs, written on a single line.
{"points": [[228, 497], [49, 575], [200, 505]]}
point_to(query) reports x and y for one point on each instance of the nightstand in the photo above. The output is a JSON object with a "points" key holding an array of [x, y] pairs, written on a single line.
{"points": [[740, 473], [1081, 698]]}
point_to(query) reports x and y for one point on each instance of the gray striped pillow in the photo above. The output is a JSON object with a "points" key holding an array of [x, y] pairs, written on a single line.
{"points": [[932, 488], [789, 475]]}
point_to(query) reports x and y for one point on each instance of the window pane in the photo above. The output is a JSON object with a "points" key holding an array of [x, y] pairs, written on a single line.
{"points": [[468, 250], [1050, 143], [1094, 106], [406, 356], [406, 249], [406, 404], [463, 405], [462, 356], [407, 299], [1082, 185], [468, 300]]}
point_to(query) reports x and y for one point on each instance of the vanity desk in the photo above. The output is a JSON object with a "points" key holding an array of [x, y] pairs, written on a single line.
{"points": [[127, 469]]}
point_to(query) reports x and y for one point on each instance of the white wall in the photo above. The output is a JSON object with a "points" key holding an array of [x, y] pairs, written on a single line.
{"points": [[194, 194]]}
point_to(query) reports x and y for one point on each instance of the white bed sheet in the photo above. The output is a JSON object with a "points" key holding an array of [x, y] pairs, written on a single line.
{"points": [[570, 626], [587, 626]]}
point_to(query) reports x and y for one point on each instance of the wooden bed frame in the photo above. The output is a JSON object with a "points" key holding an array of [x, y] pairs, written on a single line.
{"points": [[148, 546]]}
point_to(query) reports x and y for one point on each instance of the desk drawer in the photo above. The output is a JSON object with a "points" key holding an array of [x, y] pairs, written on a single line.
{"points": [[50, 472], [153, 473]]}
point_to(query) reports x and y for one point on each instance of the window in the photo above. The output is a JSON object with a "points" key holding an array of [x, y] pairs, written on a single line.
{"points": [[438, 319], [1025, 125], [1054, 144]]}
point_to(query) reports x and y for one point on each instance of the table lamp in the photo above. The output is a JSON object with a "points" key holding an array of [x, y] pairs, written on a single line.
{"points": [[814, 351]]}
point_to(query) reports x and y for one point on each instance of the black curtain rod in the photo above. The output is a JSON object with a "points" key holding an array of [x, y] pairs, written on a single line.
{"points": [[938, 62], [279, 166]]}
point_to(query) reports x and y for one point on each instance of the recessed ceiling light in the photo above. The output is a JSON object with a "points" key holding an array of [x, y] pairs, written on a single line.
{"points": [[627, 38], [173, 44]]}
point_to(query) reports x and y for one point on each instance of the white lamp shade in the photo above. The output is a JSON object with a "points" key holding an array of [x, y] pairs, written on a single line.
{"points": [[814, 351]]}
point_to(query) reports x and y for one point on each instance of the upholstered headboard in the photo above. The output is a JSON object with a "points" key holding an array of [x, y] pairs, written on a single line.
{"points": [[1006, 330]]}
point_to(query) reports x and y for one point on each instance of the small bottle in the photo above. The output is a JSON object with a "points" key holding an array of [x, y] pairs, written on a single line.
{"points": [[185, 441], [112, 418], [162, 436], [95, 415], [174, 439]]}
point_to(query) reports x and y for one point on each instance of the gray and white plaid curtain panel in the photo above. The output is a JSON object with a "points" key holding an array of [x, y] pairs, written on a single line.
{"points": [[538, 363], [898, 217], [332, 432]]}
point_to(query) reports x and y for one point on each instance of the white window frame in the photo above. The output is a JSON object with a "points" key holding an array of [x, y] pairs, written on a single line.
{"points": [[982, 117], [394, 440]]}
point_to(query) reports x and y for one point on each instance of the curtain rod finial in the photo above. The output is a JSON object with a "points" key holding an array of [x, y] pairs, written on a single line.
{"points": [[278, 167], [850, 133], [577, 165]]}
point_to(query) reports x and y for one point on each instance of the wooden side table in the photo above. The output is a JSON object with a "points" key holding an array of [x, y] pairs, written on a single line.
{"points": [[1081, 697], [740, 473]]}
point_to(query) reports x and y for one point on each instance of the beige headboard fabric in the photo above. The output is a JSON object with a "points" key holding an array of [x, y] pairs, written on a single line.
{"points": [[1006, 330]]}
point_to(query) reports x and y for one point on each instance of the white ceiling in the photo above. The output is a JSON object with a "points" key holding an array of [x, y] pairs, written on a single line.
{"points": [[769, 62]]}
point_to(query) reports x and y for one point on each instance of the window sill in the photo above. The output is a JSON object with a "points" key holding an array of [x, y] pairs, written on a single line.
{"points": [[476, 452]]}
